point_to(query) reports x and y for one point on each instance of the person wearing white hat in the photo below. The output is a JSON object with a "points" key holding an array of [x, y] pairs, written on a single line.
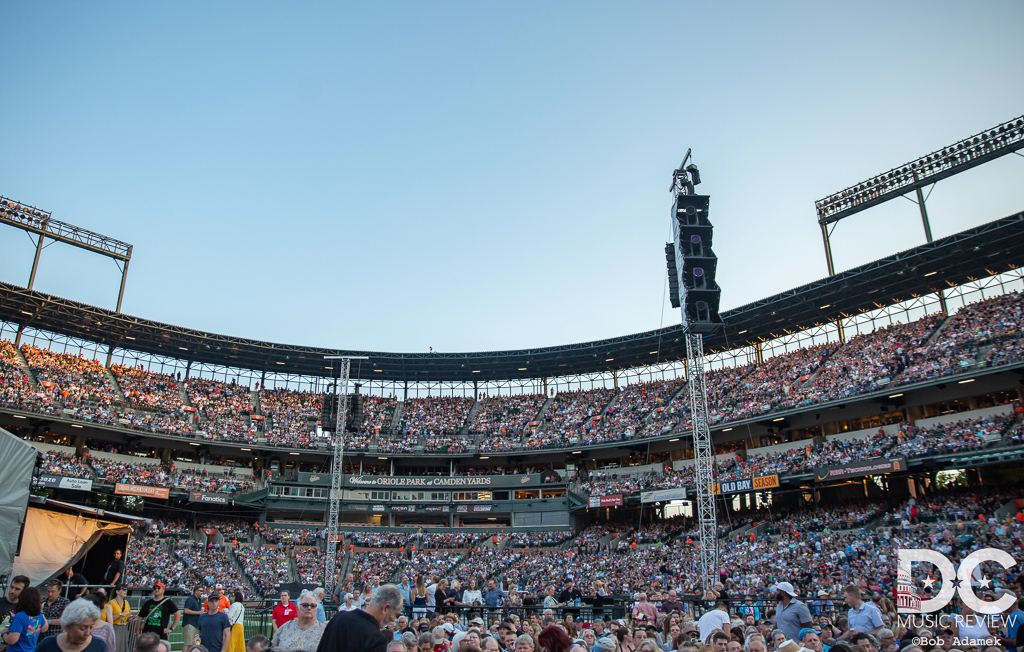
{"points": [[791, 615]]}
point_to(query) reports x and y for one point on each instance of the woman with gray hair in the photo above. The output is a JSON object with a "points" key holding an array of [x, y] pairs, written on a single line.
{"points": [[77, 621], [410, 641], [304, 632]]}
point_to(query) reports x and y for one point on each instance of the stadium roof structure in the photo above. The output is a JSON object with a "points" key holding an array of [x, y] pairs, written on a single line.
{"points": [[978, 252]]}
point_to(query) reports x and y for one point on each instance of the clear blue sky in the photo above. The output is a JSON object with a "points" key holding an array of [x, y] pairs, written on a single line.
{"points": [[473, 176]]}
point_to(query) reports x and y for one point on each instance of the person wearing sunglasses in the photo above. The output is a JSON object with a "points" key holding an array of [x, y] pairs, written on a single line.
{"points": [[304, 632]]}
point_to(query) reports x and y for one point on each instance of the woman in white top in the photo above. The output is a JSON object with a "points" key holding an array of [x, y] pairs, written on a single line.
{"points": [[236, 614], [971, 626], [472, 595]]}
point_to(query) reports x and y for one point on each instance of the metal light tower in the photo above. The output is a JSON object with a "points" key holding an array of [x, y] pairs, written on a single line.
{"points": [[337, 467], [691, 268]]}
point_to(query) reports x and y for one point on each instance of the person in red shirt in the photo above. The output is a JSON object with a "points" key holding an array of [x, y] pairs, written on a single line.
{"points": [[284, 611]]}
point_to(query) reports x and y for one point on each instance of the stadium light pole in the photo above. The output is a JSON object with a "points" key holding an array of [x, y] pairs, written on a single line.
{"points": [[337, 468], [39, 222], [996, 142]]}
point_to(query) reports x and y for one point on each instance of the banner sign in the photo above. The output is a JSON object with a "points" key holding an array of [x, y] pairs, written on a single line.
{"points": [[758, 483], [379, 508], [661, 495], [867, 467], [62, 482], [210, 498], [436, 482], [437, 508], [482, 508], [605, 501], [140, 490], [461, 509], [403, 508], [360, 507]]}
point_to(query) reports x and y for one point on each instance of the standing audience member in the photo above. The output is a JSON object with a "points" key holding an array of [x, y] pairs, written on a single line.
{"points": [[257, 643], [236, 616], [148, 642], [190, 621], [53, 608], [27, 622], [115, 571], [359, 631], [102, 629], [303, 632], [284, 611], [321, 615], [155, 614], [118, 611], [9, 601], [214, 626], [77, 621]]}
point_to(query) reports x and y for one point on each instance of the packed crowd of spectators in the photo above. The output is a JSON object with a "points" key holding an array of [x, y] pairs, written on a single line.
{"points": [[201, 480], [266, 566], [378, 412], [633, 404], [149, 560], [231, 528], [440, 444], [71, 379], [436, 415], [779, 383], [986, 333], [149, 390], [548, 539], [870, 361], [145, 472], [204, 564], [910, 441], [571, 417], [290, 536], [998, 320], [16, 389], [290, 417], [506, 415], [168, 527], [65, 464], [377, 565], [310, 564]]}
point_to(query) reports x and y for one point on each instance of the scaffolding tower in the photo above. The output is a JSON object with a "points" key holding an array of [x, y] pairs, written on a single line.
{"points": [[337, 466]]}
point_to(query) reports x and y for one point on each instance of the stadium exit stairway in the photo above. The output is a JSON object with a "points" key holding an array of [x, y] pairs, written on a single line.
{"points": [[293, 569], [23, 364], [470, 418], [118, 392], [539, 419], [396, 418]]}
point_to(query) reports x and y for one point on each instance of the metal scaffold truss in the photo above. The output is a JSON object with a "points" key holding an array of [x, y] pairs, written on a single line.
{"points": [[337, 467], [707, 517]]}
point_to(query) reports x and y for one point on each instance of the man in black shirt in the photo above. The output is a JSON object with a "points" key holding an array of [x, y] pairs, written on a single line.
{"points": [[9, 601], [359, 630], [569, 593], [115, 571], [155, 613]]}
